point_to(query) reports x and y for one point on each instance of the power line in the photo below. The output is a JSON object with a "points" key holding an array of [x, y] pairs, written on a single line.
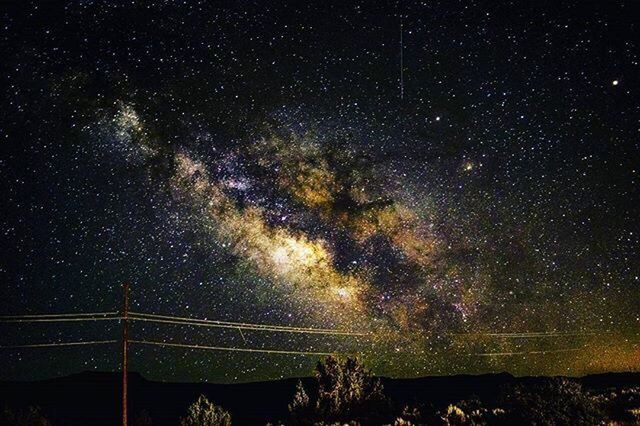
{"points": [[53, 344], [168, 319], [492, 354], [537, 334], [238, 325], [234, 323], [139, 316], [232, 349], [243, 327], [199, 323], [79, 314], [28, 320], [263, 327]]}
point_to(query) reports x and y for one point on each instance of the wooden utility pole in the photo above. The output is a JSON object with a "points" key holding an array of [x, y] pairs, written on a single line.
{"points": [[125, 347]]}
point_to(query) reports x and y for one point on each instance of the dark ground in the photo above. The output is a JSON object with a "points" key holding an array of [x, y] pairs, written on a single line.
{"points": [[94, 398]]}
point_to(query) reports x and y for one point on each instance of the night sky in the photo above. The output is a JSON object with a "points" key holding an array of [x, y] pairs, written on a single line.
{"points": [[474, 210]]}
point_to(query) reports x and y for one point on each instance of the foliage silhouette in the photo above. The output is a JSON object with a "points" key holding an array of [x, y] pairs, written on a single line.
{"points": [[346, 392], [204, 413]]}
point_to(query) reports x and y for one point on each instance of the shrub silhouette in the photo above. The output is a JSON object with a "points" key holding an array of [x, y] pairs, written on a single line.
{"points": [[299, 407], [556, 401], [622, 406], [470, 412], [455, 416], [346, 392], [204, 413]]}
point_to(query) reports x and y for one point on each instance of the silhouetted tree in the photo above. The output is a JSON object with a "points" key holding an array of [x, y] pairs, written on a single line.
{"points": [[299, 407], [204, 413], [346, 392]]}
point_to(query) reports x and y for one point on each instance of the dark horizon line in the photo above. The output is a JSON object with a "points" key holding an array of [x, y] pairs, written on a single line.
{"points": [[117, 375]]}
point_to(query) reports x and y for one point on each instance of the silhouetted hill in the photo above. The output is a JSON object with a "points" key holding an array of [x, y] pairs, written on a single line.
{"points": [[94, 397]]}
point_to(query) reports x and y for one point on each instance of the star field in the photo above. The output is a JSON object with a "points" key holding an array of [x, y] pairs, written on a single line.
{"points": [[256, 163]]}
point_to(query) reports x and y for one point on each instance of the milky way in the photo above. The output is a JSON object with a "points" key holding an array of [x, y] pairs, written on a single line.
{"points": [[257, 164]]}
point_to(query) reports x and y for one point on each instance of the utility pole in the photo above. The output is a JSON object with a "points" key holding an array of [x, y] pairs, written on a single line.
{"points": [[125, 347]]}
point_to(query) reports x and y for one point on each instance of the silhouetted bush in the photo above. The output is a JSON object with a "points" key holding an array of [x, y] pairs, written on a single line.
{"points": [[621, 406], [347, 392], [204, 413], [470, 413], [556, 401], [300, 407], [409, 416]]}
